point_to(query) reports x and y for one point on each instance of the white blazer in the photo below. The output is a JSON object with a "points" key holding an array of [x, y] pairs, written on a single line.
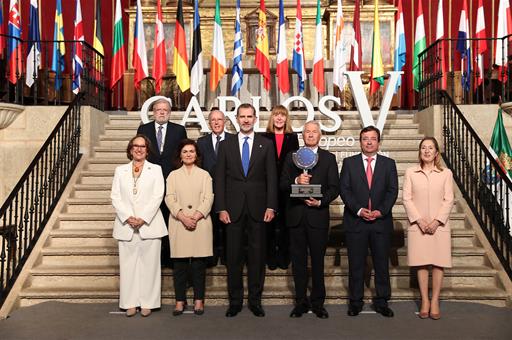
{"points": [[145, 204]]}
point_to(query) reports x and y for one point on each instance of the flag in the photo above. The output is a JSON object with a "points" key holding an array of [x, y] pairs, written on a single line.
{"points": [[262, 59], [441, 42], [2, 29], [118, 52], [159, 65], [377, 74], [420, 44], [500, 147], [463, 46], [13, 44], [98, 40], [283, 81], [338, 72], [34, 45], [318, 58], [218, 64], [356, 53], [504, 28], [196, 72], [59, 48], [298, 61], [78, 37], [400, 49], [481, 43], [140, 59], [237, 71]]}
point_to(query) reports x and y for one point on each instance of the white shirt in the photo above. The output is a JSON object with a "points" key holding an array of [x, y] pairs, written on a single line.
{"points": [[214, 138], [164, 130], [365, 162], [250, 141]]}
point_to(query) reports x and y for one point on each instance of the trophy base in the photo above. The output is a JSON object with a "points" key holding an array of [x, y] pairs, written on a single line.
{"points": [[306, 190]]}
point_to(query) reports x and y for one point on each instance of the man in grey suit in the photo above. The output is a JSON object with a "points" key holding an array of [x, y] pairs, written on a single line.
{"points": [[246, 199], [208, 146]]}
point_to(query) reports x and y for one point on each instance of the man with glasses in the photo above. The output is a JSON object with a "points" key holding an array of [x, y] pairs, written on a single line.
{"points": [[369, 188]]}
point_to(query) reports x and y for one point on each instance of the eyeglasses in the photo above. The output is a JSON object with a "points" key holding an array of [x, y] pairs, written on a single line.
{"points": [[138, 146]]}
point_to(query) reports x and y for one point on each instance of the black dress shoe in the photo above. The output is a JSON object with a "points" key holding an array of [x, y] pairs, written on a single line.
{"points": [[353, 310], [257, 310], [320, 312], [298, 311], [385, 311], [233, 311]]}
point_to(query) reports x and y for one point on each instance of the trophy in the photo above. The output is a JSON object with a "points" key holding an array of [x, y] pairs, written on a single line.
{"points": [[305, 159]]}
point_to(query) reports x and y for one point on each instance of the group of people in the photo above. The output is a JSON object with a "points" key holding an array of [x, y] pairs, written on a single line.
{"points": [[227, 197]]}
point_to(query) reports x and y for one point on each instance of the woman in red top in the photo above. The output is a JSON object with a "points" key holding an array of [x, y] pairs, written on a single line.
{"points": [[279, 131]]}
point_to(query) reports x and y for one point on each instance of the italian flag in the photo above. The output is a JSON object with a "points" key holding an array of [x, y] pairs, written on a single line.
{"points": [[420, 44], [318, 59], [118, 53], [218, 64], [377, 78], [500, 146]]}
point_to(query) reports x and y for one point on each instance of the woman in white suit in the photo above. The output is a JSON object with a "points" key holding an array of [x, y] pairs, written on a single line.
{"points": [[137, 191]]}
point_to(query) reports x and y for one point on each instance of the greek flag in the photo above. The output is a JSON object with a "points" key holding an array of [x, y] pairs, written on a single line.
{"points": [[237, 71]]}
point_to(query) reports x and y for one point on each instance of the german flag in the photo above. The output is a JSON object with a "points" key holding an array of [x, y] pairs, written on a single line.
{"points": [[180, 63]]}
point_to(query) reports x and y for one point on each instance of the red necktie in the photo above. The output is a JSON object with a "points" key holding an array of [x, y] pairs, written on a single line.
{"points": [[369, 176]]}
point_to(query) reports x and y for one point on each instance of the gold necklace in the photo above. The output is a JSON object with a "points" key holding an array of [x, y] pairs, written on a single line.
{"points": [[136, 169]]}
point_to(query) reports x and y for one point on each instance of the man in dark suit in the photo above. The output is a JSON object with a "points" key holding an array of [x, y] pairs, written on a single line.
{"points": [[245, 198], [208, 146], [165, 137], [308, 222], [369, 188]]}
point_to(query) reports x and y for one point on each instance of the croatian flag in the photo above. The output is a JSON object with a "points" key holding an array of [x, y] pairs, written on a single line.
{"points": [[78, 37], [298, 62], [13, 45], [464, 48], [282, 57]]}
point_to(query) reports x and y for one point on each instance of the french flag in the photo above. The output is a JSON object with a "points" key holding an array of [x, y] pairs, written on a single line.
{"points": [[464, 48], [78, 37], [140, 59], [282, 57]]}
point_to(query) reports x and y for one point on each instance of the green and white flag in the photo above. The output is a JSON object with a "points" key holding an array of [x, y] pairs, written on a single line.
{"points": [[500, 146]]}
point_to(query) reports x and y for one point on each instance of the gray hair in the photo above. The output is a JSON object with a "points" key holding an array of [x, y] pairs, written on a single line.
{"points": [[161, 100], [314, 122]]}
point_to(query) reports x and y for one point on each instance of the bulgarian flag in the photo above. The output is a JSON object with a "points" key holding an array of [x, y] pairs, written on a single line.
{"points": [[318, 59], [118, 53], [159, 64], [377, 75], [180, 64], [262, 56], [218, 64], [500, 147], [420, 44]]}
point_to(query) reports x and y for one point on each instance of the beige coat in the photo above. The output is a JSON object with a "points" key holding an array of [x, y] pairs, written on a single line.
{"points": [[190, 192], [428, 196]]}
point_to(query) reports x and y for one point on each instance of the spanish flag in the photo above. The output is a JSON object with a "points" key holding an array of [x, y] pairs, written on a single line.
{"points": [[262, 55], [180, 64], [377, 78]]}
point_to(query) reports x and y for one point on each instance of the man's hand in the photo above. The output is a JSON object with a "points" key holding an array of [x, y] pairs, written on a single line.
{"points": [[366, 214], [375, 214], [269, 215], [224, 217], [303, 178], [312, 202]]}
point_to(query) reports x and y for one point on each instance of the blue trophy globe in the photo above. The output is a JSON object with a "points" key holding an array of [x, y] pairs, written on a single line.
{"points": [[305, 159]]}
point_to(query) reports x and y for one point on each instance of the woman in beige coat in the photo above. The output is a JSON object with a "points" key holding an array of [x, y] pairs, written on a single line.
{"points": [[428, 200], [189, 198]]}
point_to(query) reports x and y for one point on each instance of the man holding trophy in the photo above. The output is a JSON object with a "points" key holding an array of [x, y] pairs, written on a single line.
{"points": [[311, 177]]}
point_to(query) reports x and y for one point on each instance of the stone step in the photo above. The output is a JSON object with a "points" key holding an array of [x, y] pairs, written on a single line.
{"points": [[214, 296], [108, 256], [336, 278]]}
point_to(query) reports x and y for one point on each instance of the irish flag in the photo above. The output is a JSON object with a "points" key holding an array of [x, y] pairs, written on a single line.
{"points": [[218, 64], [318, 58], [420, 44], [377, 78]]}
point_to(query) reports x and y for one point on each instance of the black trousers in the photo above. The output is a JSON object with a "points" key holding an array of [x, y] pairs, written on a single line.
{"points": [[193, 267], [302, 238], [165, 254], [357, 247], [278, 242], [236, 233], [219, 240]]}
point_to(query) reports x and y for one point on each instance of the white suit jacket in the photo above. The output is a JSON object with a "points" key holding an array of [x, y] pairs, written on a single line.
{"points": [[145, 204]]}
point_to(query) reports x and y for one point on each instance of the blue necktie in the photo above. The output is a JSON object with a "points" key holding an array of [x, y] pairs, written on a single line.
{"points": [[245, 156], [159, 138]]}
